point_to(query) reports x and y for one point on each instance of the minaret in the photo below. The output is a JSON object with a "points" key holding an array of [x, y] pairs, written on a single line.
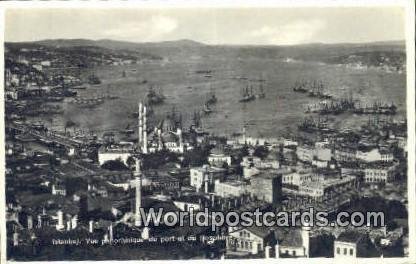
{"points": [[15, 239], [306, 228], [138, 201], [144, 150], [110, 232], [277, 250], [159, 137], [60, 225], [179, 132], [140, 132]]}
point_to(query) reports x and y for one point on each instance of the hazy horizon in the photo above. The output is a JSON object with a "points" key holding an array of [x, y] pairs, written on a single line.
{"points": [[237, 26], [207, 44]]}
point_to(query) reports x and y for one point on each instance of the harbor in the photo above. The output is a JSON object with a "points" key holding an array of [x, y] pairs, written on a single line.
{"points": [[227, 90]]}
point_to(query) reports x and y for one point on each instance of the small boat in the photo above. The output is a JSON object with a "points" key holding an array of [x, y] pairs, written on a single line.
{"points": [[78, 87], [127, 130], [207, 110], [212, 97], [25, 138]]}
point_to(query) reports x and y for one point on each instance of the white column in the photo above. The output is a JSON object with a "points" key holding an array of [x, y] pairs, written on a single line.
{"points": [[179, 131], [39, 221], [305, 238], [206, 186], [60, 224], [140, 132], [74, 222], [138, 179], [144, 130], [15, 239], [267, 251], [254, 248], [159, 135], [110, 231], [91, 226], [145, 233], [29, 222], [277, 250]]}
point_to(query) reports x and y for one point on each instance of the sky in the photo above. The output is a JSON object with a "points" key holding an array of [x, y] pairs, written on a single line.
{"points": [[232, 26]]}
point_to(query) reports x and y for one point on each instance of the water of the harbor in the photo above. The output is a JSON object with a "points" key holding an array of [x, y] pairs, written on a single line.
{"points": [[282, 109]]}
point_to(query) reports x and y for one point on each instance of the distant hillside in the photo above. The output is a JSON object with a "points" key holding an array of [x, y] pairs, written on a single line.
{"points": [[73, 53], [388, 54], [115, 44]]}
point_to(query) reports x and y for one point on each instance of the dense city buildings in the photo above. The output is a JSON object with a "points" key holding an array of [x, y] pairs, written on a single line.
{"points": [[96, 135]]}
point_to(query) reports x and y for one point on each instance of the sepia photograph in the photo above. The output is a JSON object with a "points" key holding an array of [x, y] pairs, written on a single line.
{"points": [[163, 133]]}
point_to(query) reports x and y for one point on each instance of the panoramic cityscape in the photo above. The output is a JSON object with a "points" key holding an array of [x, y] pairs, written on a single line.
{"points": [[101, 130]]}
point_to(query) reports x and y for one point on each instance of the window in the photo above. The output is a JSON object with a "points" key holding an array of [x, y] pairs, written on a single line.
{"points": [[338, 250], [351, 251], [294, 252], [345, 251]]}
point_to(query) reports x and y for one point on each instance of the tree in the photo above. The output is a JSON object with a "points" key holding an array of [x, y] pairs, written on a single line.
{"points": [[131, 162], [261, 152], [323, 246], [196, 157], [114, 165]]}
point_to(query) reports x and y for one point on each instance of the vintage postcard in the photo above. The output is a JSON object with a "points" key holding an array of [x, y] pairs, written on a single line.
{"points": [[208, 131]]}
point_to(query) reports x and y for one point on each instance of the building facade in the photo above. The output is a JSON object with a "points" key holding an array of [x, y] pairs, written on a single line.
{"points": [[203, 177], [380, 173], [266, 186]]}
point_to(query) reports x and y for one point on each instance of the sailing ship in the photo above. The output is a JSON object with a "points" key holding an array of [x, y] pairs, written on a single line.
{"points": [[150, 112], [108, 95], [261, 94], [212, 99], [317, 90], [247, 95], [196, 125], [312, 88], [93, 79], [88, 102], [300, 87], [312, 125], [153, 97], [377, 108]]}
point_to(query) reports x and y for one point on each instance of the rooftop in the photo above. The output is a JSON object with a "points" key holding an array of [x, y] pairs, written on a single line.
{"points": [[117, 148], [207, 168], [350, 236], [235, 183]]}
